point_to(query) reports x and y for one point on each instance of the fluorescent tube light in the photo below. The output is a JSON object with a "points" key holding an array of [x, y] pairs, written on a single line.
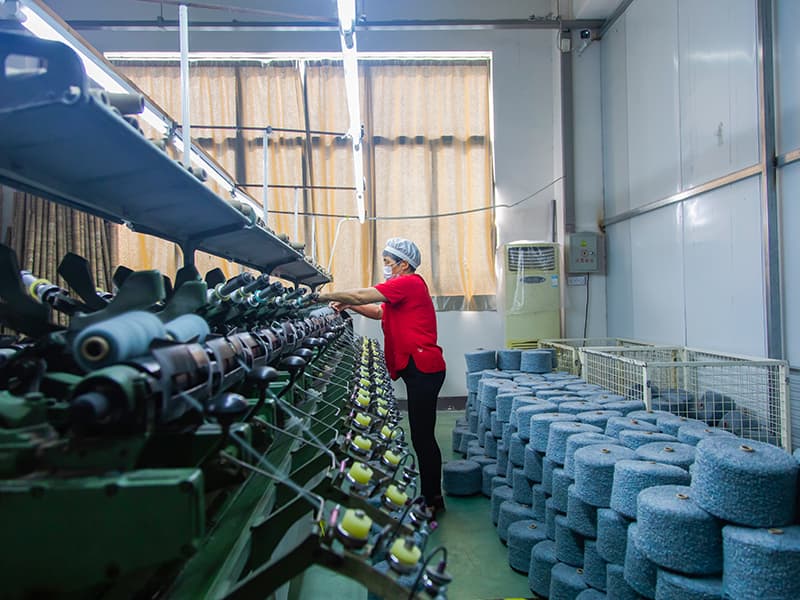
{"points": [[42, 29]]}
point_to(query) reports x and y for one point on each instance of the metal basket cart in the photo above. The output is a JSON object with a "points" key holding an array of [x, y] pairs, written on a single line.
{"points": [[748, 396], [566, 350]]}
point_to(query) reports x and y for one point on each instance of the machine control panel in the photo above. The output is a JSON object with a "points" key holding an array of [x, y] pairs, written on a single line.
{"points": [[586, 252]]}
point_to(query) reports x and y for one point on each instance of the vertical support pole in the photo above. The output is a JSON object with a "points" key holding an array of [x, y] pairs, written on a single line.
{"points": [[770, 217], [314, 239], [183, 13], [265, 189], [296, 214], [567, 131]]}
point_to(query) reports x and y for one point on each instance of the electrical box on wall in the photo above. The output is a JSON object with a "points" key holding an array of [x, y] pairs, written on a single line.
{"points": [[586, 252]]}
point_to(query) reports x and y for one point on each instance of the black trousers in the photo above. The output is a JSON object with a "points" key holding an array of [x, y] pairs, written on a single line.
{"points": [[422, 390]]}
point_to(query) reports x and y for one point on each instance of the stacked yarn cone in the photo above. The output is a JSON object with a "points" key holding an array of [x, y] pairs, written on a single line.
{"points": [[619, 502]]}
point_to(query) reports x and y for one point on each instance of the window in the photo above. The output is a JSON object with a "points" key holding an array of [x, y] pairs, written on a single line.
{"points": [[427, 151]]}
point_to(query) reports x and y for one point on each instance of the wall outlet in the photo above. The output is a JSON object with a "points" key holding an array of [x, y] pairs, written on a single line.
{"points": [[577, 279]]}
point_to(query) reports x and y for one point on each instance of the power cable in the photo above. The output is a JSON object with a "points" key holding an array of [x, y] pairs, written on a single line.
{"points": [[414, 217]]}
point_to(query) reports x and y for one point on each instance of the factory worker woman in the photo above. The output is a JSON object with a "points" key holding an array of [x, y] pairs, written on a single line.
{"points": [[408, 321]]}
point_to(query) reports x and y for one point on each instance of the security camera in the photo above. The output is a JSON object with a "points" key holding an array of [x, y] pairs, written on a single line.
{"points": [[586, 34]]}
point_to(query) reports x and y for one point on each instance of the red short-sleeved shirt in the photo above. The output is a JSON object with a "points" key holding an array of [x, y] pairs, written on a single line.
{"points": [[409, 325]]}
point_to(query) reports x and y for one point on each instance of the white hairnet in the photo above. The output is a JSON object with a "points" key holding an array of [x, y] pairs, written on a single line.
{"points": [[403, 249]]}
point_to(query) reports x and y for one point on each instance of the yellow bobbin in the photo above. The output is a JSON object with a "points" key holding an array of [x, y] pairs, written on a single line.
{"points": [[405, 552], [360, 473], [355, 524], [389, 434], [382, 412], [362, 442], [363, 420], [396, 495], [391, 458], [362, 400]]}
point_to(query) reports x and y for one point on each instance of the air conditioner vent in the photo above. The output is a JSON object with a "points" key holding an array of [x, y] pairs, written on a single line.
{"points": [[542, 258]]}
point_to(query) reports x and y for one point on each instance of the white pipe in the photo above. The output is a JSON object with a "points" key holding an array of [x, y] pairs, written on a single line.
{"points": [[183, 14], [336, 239], [265, 189]]}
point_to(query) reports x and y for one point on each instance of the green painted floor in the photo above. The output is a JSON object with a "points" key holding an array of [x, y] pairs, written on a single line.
{"points": [[477, 559]]}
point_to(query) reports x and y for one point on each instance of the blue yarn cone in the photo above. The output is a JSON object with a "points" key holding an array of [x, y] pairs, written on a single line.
{"points": [[579, 441], [745, 482], [511, 512], [569, 543], [566, 581], [594, 567], [543, 558], [550, 514], [671, 423], [522, 487], [651, 416], [612, 535], [594, 472], [558, 434], [692, 434], [598, 418], [581, 517], [761, 563], [633, 439], [561, 483], [591, 594], [538, 506], [480, 360], [522, 537], [488, 474], [533, 464], [462, 478], [674, 586], [633, 476], [669, 453], [499, 495], [712, 405], [617, 424], [540, 428], [616, 586], [676, 534], [640, 572]]}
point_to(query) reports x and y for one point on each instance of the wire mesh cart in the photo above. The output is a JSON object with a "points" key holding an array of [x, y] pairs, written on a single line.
{"points": [[748, 396]]}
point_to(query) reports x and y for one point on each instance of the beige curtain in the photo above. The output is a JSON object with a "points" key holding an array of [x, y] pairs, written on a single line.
{"points": [[332, 164], [427, 152], [213, 102], [42, 232], [272, 95], [430, 127]]}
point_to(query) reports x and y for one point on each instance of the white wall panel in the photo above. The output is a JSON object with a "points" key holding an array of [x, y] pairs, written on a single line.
{"points": [[718, 83], [653, 123], [619, 290], [724, 270], [790, 206], [787, 74], [657, 276], [614, 75]]}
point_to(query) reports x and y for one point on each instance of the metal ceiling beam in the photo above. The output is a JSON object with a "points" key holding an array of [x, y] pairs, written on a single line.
{"points": [[159, 24]]}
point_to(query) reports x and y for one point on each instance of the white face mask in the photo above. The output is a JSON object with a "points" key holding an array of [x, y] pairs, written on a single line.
{"points": [[387, 272]]}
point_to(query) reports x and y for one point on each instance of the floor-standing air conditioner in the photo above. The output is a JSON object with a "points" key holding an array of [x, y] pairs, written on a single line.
{"points": [[532, 277]]}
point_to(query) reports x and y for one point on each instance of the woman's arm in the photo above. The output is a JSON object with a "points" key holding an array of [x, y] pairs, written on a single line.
{"points": [[360, 300], [355, 297], [371, 311]]}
